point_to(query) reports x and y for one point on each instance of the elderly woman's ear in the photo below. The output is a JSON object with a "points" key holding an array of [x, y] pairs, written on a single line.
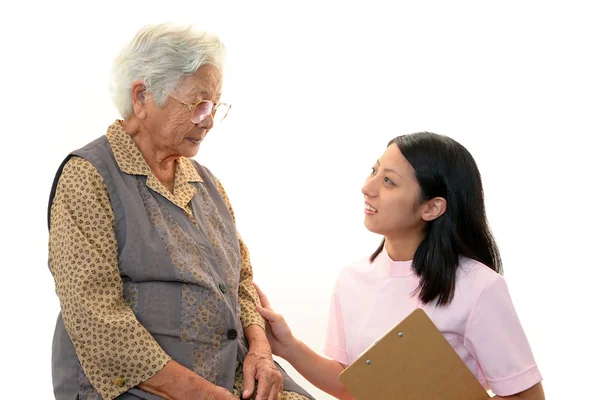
{"points": [[138, 99]]}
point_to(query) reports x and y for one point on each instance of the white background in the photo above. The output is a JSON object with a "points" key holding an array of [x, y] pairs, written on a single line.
{"points": [[318, 89]]}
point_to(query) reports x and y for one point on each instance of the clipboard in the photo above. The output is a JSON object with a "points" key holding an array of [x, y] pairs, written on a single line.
{"points": [[413, 361]]}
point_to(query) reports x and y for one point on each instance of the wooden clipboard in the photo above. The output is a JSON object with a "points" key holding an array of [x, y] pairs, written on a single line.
{"points": [[413, 361]]}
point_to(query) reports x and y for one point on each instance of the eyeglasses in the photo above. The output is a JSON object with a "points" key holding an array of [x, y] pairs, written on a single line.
{"points": [[202, 109]]}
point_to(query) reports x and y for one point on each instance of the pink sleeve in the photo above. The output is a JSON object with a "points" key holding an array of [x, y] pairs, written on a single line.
{"points": [[335, 343], [495, 338]]}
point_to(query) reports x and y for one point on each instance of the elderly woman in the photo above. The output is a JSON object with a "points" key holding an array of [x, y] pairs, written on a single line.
{"points": [[155, 285]]}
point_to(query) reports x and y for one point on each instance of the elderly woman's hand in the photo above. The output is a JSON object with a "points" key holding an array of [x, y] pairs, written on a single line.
{"points": [[259, 366], [175, 381]]}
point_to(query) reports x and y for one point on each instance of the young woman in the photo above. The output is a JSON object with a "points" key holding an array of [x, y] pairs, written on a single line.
{"points": [[425, 197]]}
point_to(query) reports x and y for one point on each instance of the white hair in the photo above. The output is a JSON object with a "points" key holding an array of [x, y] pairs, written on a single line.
{"points": [[160, 55]]}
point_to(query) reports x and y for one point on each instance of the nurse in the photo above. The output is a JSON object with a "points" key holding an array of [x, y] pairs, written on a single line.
{"points": [[425, 197]]}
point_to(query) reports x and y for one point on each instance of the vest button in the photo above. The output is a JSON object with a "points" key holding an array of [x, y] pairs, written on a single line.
{"points": [[222, 288], [232, 334], [120, 382]]}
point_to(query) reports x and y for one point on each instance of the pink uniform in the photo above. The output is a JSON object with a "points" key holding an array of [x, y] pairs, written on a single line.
{"points": [[480, 323]]}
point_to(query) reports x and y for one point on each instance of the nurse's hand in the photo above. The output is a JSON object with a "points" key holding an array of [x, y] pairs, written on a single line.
{"points": [[280, 336]]}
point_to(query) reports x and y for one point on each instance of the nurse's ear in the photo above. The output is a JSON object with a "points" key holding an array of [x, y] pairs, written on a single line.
{"points": [[433, 209]]}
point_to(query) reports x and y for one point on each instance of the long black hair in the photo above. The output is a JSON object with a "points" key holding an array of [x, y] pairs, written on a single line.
{"points": [[444, 168]]}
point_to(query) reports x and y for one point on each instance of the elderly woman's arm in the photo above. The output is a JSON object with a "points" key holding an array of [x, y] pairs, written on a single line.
{"points": [[105, 332], [259, 363], [177, 382]]}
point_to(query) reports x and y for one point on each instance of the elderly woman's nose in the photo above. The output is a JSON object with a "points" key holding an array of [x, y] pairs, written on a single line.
{"points": [[207, 123]]}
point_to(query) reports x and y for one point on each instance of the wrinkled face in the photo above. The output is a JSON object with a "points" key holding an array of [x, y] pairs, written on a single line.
{"points": [[392, 196], [170, 128]]}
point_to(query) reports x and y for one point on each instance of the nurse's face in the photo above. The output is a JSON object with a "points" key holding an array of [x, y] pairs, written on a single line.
{"points": [[392, 195]]}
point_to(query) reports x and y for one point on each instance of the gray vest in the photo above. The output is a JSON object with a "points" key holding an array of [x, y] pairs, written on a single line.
{"points": [[180, 278]]}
